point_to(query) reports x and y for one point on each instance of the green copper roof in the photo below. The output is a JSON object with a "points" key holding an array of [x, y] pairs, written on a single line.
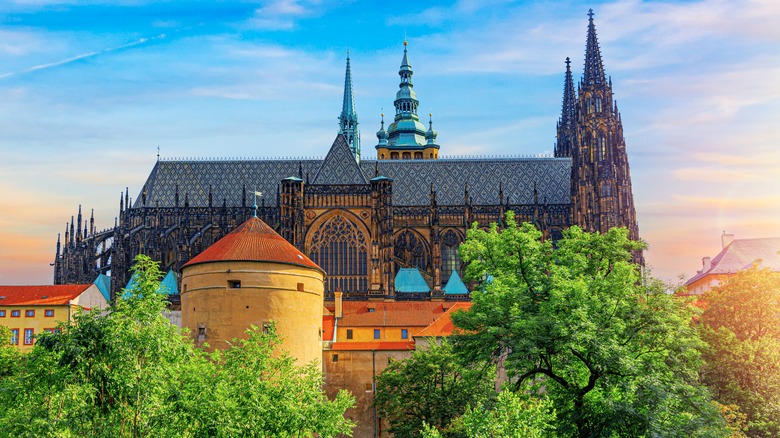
{"points": [[406, 132], [168, 286], [103, 283], [409, 280], [455, 285]]}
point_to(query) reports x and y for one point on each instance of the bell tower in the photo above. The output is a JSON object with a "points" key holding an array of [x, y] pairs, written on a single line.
{"points": [[601, 181]]}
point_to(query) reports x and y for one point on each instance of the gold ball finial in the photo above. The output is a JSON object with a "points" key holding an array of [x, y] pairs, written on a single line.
{"points": [[405, 42]]}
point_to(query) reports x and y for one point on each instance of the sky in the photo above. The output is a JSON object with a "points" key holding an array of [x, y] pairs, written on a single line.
{"points": [[90, 89]]}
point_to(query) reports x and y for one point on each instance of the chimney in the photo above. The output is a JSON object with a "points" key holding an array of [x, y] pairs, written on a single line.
{"points": [[706, 264], [338, 310], [726, 239]]}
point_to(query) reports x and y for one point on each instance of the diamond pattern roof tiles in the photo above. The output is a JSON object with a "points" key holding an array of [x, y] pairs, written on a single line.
{"points": [[411, 179], [339, 166], [253, 240]]}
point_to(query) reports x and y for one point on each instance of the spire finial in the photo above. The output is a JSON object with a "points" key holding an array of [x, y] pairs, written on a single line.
{"points": [[348, 120], [590, 14], [254, 205], [594, 68], [158, 152]]}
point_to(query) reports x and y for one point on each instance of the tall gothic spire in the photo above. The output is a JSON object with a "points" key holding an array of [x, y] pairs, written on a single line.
{"points": [[348, 120], [594, 68], [566, 127]]}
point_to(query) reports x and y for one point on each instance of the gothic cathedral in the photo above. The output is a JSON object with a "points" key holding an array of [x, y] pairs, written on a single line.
{"points": [[366, 220]]}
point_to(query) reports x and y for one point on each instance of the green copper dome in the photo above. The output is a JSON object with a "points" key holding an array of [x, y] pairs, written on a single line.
{"points": [[406, 132]]}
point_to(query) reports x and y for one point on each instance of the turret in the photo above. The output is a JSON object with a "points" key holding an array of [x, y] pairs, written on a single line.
{"points": [[406, 137]]}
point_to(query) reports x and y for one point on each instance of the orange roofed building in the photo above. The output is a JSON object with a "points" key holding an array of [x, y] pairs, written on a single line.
{"points": [[363, 337], [31, 310], [736, 255]]}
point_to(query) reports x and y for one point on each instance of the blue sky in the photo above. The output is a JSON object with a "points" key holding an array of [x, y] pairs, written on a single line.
{"points": [[90, 89]]}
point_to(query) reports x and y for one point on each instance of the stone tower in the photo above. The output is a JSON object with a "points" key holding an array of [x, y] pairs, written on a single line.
{"points": [[406, 138], [252, 276], [600, 182]]}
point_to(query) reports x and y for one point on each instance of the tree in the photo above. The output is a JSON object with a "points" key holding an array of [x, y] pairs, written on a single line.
{"points": [[127, 372], [616, 355], [741, 325], [431, 387], [513, 415]]}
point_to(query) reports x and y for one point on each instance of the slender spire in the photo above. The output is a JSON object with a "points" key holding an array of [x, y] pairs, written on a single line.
{"points": [[594, 68], [348, 120], [566, 124]]}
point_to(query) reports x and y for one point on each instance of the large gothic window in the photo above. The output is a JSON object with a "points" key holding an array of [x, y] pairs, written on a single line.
{"points": [[602, 145], [340, 248], [411, 251], [450, 259]]}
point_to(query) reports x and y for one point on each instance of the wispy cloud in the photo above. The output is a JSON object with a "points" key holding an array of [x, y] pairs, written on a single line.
{"points": [[282, 14], [82, 56]]}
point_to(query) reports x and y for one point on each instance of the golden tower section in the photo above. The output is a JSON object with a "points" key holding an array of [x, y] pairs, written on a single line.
{"points": [[254, 277]]}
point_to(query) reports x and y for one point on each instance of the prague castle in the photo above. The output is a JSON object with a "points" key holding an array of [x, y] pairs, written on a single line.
{"points": [[369, 220], [354, 257]]}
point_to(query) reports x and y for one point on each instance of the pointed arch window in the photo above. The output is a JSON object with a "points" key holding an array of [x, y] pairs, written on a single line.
{"points": [[450, 259], [602, 147], [339, 247], [411, 251], [598, 104]]}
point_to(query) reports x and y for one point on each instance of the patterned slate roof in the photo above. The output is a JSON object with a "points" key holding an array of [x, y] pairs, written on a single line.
{"points": [[339, 166], [411, 180], [253, 241], [40, 295], [741, 254]]}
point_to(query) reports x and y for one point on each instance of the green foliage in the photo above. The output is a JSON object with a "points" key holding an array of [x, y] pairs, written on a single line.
{"points": [[127, 372], [741, 325], [514, 415], [615, 354], [430, 387], [10, 356]]}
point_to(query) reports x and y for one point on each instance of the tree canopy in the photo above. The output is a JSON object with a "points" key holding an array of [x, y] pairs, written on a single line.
{"points": [[616, 355], [127, 372], [741, 325], [431, 387]]}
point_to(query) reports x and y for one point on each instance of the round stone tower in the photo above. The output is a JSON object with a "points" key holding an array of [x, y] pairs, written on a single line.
{"points": [[253, 276]]}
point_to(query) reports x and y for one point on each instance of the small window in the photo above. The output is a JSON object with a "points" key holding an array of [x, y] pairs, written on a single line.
{"points": [[29, 313], [234, 284], [14, 336], [300, 287], [202, 333], [334, 358], [15, 313], [349, 333], [2, 313], [267, 326], [404, 334], [28, 336], [48, 313], [369, 387], [377, 333], [371, 310]]}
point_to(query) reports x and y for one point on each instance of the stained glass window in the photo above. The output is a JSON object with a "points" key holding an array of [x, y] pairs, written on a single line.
{"points": [[411, 251], [449, 254], [339, 247]]}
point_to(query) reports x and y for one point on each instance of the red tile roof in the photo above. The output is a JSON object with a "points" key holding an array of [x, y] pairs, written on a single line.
{"points": [[369, 346], [328, 327], [256, 242], [390, 313], [444, 326], [56, 295]]}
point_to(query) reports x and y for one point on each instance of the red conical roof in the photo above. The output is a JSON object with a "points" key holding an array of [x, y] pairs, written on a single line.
{"points": [[253, 241]]}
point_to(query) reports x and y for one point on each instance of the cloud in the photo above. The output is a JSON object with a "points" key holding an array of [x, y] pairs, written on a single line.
{"points": [[81, 56], [282, 14]]}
